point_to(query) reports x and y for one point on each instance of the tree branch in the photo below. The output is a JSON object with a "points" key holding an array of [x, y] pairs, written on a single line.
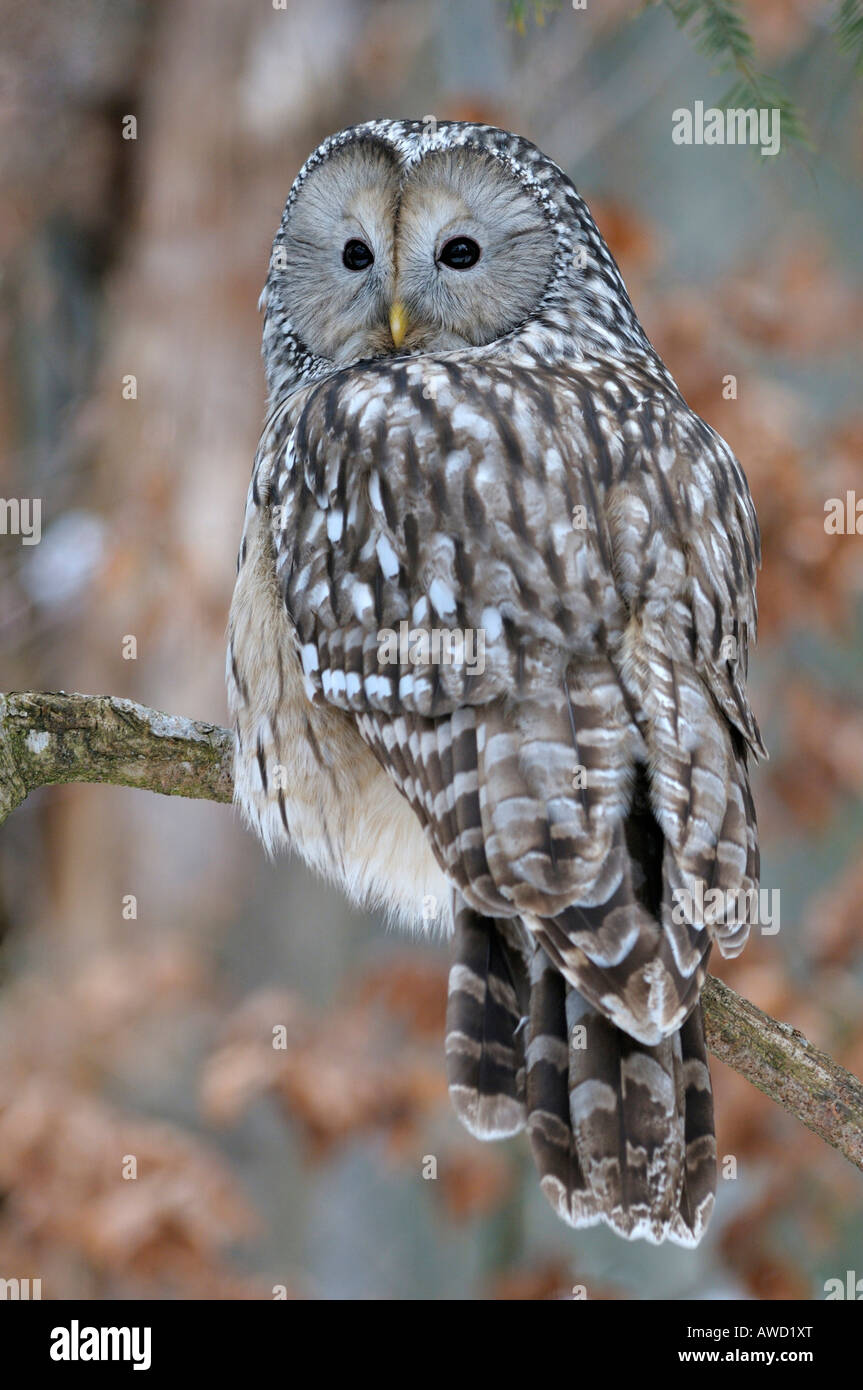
{"points": [[49, 738], [783, 1064]]}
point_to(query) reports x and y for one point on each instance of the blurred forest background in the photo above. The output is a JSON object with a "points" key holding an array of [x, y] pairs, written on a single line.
{"points": [[151, 1035]]}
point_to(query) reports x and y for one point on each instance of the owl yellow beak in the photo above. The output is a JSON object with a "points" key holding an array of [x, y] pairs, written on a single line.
{"points": [[398, 322]]}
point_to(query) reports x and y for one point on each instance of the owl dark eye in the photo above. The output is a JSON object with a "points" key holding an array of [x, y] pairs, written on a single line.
{"points": [[356, 255], [460, 253]]}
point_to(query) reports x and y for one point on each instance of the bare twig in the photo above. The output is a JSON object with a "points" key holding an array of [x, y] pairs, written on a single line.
{"points": [[48, 738]]}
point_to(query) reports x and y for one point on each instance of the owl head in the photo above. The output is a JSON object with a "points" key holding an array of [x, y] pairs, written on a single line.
{"points": [[406, 237]]}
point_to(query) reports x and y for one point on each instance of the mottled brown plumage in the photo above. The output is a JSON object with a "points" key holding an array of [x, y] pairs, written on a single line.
{"points": [[531, 473]]}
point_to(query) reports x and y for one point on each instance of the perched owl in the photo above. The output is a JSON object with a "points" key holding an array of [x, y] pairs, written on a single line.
{"points": [[488, 644]]}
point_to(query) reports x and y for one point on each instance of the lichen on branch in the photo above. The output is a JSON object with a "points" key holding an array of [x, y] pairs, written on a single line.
{"points": [[59, 737]]}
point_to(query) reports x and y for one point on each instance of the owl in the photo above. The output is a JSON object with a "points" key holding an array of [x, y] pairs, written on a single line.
{"points": [[488, 645]]}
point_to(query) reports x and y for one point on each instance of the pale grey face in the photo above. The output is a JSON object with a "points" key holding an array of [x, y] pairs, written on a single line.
{"points": [[454, 253]]}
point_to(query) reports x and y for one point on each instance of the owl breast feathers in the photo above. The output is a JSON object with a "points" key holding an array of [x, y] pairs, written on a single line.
{"points": [[488, 645]]}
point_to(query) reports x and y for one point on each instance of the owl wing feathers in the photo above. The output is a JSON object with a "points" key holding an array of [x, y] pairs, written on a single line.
{"points": [[582, 770], [573, 519]]}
